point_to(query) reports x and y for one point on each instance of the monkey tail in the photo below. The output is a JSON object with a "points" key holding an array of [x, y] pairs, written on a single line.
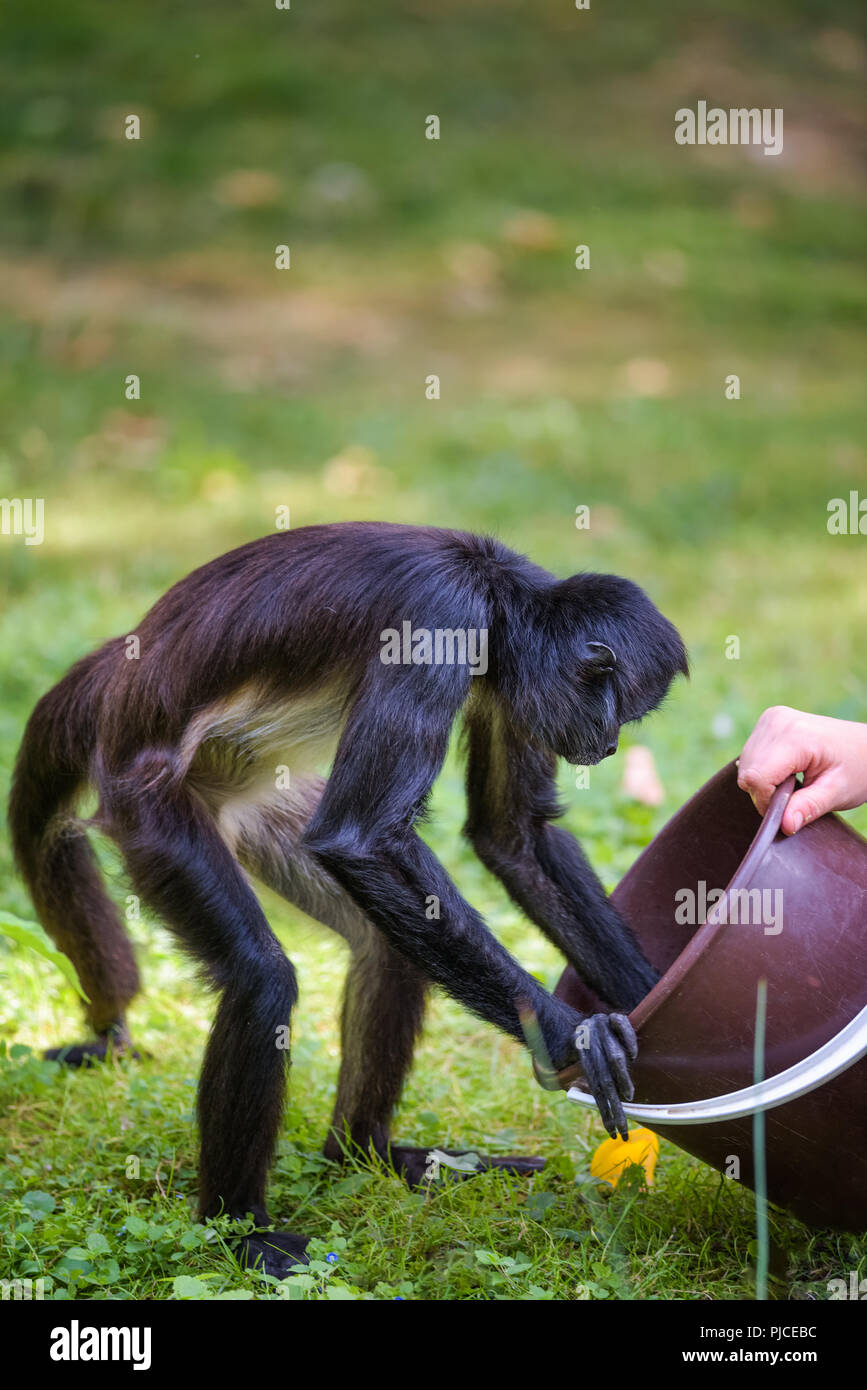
{"points": [[51, 847]]}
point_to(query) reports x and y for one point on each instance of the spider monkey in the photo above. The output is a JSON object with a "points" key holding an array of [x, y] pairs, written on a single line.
{"points": [[276, 656]]}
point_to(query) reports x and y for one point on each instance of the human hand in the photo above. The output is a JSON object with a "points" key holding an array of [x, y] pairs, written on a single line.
{"points": [[831, 753]]}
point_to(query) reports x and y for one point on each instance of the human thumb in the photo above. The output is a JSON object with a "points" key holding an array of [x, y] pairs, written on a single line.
{"points": [[807, 804]]}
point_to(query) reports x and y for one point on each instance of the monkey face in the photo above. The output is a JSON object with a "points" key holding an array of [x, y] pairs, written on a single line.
{"points": [[623, 657], [593, 728]]}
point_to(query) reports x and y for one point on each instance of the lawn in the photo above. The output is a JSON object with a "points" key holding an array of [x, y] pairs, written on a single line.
{"points": [[306, 387]]}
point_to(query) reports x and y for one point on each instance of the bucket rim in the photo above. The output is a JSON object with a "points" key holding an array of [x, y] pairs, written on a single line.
{"points": [[743, 875]]}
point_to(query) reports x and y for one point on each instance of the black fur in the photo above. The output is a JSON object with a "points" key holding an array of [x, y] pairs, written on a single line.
{"points": [[569, 662]]}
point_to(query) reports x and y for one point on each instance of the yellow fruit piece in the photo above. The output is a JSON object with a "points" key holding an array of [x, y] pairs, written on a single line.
{"points": [[612, 1158]]}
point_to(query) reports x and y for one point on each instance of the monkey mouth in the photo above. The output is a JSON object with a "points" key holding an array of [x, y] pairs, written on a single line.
{"points": [[584, 757]]}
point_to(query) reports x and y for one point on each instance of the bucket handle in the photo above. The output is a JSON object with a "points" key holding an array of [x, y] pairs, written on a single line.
{"points": [[840, 1052], [835, 1056]]}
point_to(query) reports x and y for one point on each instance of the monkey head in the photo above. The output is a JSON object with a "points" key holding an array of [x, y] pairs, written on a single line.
{"points": [[611, 658]]}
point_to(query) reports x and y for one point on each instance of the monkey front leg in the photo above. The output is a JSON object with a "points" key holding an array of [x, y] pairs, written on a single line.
{"points": [[549, 877], [392, 881], [512, 799]]}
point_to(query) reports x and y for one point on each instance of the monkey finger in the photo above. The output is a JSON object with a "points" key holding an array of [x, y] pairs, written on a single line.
{"points": [[597, 1067], [621, 1124], [618, 1067], [609, 1109], [622, 1028]]}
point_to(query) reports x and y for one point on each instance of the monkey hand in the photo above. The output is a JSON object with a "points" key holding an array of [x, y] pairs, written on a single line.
{"points": [[606, 1044]]}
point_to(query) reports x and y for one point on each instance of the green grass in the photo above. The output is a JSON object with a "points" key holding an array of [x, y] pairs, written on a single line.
{"points": [[306, 388]]}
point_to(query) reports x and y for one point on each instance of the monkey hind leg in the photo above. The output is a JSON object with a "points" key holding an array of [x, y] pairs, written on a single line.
{"points": [[53, 854], [81, 919], [383, 1004], [384, 996], [383, 1011], [182, 867]]}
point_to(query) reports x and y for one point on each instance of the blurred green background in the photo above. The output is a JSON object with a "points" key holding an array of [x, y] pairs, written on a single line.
{"points": [[560, 387]]}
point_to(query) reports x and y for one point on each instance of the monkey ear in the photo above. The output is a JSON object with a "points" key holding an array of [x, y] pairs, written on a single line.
{"points": [[600, 657]]}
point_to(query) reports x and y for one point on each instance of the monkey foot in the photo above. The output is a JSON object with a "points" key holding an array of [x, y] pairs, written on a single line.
{"points": [[420, 1166], [277, 1253], [87, 1053]]}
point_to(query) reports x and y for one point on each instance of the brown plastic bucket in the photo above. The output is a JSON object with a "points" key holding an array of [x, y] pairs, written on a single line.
{"points": [[795, 914]]}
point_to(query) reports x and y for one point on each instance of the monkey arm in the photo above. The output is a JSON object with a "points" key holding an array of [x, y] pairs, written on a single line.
{"points": [[512, 798], [362, 835], [394, 883]]}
